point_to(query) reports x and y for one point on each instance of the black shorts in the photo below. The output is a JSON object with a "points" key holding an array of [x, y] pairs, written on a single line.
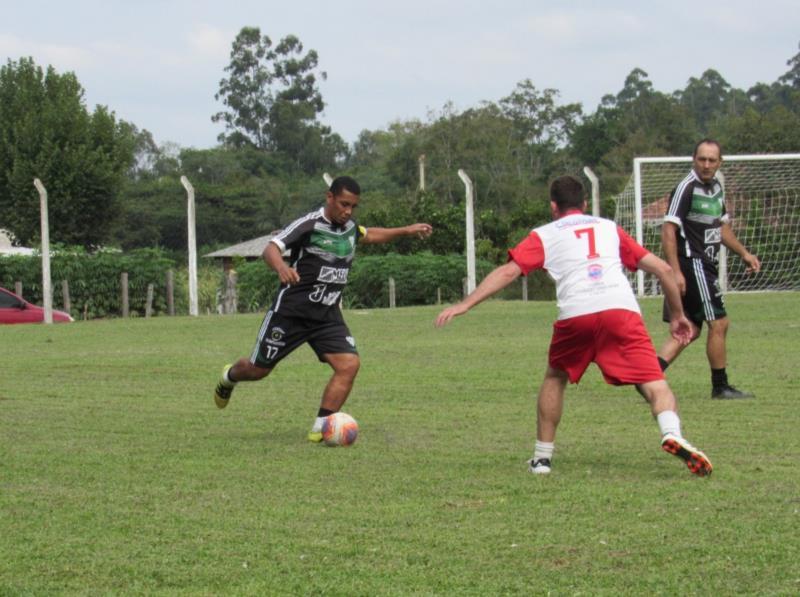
{"points": [[703, 300], [280, 335]]}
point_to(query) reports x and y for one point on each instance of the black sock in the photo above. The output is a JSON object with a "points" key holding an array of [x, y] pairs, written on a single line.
{"points": [[663, 364], [324, 412], [719, 378]]}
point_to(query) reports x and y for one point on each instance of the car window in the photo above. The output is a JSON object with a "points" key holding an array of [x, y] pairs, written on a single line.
{"points": [[8, 300]]}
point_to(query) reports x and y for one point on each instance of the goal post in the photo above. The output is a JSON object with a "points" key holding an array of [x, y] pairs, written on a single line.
{"points": [[762, 198]]}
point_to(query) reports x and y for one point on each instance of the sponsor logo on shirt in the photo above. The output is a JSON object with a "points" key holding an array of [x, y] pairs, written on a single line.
{"points": [[713, 235], [333, 275], [595, 272]]}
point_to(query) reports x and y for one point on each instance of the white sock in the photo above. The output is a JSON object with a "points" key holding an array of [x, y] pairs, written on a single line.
{"points": [[543, 450], [669, 422], [227, 380], [317, 425]]}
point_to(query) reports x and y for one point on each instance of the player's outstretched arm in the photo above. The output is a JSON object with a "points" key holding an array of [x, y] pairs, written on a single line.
{"points": [[729, 240], [385, 235], [498, 279]]}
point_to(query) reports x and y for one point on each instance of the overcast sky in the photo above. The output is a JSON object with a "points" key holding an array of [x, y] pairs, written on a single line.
{"points": [[158, 64]]}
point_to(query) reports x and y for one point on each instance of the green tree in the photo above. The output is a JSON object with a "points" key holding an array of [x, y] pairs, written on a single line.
{"points": [[82, 158], [792, 76], [594, 136], [775, 131], [711, 97], [273, 101]]}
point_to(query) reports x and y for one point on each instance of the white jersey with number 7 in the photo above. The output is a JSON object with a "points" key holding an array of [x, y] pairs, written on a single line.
{"points": [[585, 256]]}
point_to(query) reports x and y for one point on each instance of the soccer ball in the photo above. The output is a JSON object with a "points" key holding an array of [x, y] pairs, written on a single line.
{"points": [[339, 429]]}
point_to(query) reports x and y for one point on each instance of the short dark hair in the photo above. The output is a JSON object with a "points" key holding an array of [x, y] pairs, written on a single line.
{"points": [[567, 193], [344, 183], [709, 142]]}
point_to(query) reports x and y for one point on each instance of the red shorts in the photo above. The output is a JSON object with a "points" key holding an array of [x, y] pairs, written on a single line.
{"points": [[615, 339]]}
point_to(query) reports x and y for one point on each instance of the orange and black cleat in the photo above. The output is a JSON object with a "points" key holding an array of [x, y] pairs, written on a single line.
{"points": [[697, 462]]}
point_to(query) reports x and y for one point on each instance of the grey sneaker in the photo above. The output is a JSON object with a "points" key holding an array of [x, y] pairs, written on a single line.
{"points": [[539, 466], [727, 392]]}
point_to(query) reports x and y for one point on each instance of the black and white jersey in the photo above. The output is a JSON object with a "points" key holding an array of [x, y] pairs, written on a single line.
{"points": [[322, 252], [698, 209]]}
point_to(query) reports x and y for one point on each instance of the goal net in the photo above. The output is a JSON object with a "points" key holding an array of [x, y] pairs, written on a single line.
{"points": [[762, 198]]}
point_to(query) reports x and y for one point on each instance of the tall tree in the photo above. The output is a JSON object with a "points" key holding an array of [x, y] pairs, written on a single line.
{"points": [[708, 97], [540, 125], [792, 76], [273, 101], [46, 132]]}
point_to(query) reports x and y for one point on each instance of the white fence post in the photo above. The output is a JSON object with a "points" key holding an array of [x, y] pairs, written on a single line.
{"points": [[148, 306], [123, 285], [470, 230], [595, 182], [192, 240], [637, 179], [392, 295], [47, 292]]}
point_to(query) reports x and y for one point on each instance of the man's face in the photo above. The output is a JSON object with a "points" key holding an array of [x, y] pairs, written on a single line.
{"points": [[707, 161], [339, 208]]}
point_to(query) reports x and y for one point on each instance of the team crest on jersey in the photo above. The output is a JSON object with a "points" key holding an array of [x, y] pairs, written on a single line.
{"points": [[595, 272], [713, 235]]}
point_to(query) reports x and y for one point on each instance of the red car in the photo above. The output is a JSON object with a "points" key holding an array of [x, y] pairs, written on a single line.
{"points": [[15, 309]]}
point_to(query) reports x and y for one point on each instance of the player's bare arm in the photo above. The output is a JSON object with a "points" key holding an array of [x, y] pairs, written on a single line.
{"points": [[274, 259], [384, 235], [669, 243], [680, 327], [729, 240], [498, 279]]}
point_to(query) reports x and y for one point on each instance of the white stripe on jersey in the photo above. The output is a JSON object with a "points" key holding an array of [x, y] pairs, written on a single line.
{"points": [[676, 196], [300, 254], [702, 285], [279, 297], [674, 202], [260, 337], [309, 216]]}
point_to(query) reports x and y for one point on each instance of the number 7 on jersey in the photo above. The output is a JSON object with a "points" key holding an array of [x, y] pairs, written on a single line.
{"points": [[589, 232]]}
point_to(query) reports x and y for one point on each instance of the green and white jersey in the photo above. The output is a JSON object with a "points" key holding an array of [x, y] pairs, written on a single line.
{"points": [[322, 253], [698, 209]]}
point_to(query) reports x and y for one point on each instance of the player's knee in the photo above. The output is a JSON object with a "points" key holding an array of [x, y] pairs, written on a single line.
{"points": [[244, 370], [349, 367], [719, 326]]}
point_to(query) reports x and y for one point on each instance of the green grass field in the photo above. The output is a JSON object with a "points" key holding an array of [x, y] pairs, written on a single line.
{"points": [[119, 476]]}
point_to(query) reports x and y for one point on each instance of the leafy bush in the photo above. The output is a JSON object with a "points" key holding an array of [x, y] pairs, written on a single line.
{"points": [[256, 285], [209, 280], [94, 281], [93, 278]]}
